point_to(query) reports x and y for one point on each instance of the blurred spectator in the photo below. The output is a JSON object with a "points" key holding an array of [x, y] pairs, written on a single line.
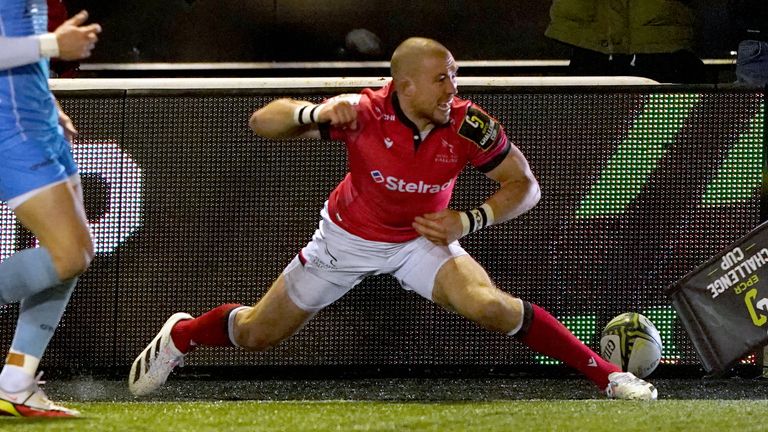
{"points": [[363, 43], [57, 14], [647, 38], [751, 17]]}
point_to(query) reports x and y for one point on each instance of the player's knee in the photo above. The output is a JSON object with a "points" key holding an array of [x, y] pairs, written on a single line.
{"points": [[73, 260], [72, 266]]}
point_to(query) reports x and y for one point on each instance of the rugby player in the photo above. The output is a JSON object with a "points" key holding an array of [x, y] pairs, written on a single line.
{"points": [[407, 143], [39, 181]]}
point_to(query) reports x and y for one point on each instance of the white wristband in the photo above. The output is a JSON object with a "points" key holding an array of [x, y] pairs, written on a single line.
{"points": [[306, 114], [475, 219], [491, 218], [49, 46], [464, 223]]}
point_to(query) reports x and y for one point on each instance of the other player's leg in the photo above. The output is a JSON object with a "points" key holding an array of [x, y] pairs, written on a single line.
{"points": [[42, 279]]}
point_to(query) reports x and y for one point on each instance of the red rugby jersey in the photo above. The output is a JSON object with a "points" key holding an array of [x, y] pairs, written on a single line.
{"points": [[394, 176]]}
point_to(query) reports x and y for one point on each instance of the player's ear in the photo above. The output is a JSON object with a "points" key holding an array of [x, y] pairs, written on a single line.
{"points": [[407, 87]]}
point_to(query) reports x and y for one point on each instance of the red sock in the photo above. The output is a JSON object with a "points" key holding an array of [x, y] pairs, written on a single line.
{"points": [[546, 335], [210, 329]]}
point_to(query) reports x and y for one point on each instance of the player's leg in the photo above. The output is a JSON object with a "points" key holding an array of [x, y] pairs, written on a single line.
{"points": [[302, 289], [39, 182], [42, 279], [55, 216], [293, 299], [463, 285], [314, 279], [455, 281], [274, 318]]}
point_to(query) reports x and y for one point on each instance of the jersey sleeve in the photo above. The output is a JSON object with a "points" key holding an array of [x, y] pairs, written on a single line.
{"points": [[18, 51], [488, 143]]}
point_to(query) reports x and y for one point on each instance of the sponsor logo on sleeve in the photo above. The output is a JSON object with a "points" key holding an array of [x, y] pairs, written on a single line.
{"points": [[480, 128]]}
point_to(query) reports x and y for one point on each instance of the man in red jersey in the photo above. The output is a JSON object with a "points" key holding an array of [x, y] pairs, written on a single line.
{"points": [[407, 143]]}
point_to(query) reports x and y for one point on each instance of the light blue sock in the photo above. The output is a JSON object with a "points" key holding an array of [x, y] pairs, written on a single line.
{"points": [[39, 315], [25, 273]]}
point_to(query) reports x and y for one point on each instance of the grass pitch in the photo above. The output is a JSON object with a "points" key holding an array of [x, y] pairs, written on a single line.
{"points": [[517, 415]]}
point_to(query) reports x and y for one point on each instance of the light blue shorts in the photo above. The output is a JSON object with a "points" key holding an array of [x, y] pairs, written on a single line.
{"points": [[34, 163]]}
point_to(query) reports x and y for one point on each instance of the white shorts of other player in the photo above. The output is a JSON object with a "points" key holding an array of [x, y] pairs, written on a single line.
{"points": [[336, 261]]}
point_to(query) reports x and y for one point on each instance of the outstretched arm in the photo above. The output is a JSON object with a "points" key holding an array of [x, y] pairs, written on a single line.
{"points": [[518, 193], [290, 118]]}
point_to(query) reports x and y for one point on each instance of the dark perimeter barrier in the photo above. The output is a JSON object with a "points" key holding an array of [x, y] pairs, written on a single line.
{"points": [[640, 185]]}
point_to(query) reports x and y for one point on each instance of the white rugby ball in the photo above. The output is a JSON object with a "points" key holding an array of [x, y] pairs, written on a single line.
{"points": [[631, 342]]}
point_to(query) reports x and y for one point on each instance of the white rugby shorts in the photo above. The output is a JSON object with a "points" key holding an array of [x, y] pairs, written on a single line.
{"points": [[335, 261]]}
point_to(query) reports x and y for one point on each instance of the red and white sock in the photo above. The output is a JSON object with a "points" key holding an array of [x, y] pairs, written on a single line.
{"points": [[209, 329]]}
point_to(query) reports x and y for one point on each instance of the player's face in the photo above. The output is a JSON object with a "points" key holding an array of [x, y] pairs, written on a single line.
{"points": [[435, 88]]}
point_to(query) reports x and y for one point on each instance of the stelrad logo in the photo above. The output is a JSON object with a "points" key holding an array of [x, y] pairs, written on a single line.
{"points": [[400, 185]]}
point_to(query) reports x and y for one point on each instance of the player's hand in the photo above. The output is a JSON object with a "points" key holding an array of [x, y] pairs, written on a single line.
{"points": [[339, 113], [440, 228], [76, 41], [66, 123]]}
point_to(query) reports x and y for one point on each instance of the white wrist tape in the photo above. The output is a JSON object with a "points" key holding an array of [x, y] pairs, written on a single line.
{"points": [[476, 219], [306, 114], [49, 46]]}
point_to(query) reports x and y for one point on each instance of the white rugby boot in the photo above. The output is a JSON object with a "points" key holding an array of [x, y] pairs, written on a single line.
{"points": [[625, 385], [32, 402], [151, 368]]}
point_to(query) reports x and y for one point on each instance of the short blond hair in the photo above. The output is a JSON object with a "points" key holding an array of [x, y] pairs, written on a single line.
{"points": [[409, 55]]}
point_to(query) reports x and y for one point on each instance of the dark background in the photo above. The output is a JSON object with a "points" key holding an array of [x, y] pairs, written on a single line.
{"points": [[300, 30]]}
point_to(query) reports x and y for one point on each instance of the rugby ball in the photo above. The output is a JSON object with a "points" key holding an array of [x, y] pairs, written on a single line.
{"points": [[631, 342]]}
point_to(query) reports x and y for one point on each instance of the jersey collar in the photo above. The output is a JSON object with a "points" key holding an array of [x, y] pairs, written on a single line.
{"points": [[415, 133]]}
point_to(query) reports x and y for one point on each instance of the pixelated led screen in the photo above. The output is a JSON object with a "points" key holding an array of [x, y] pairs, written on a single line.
{"points": [[190, 210]]}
